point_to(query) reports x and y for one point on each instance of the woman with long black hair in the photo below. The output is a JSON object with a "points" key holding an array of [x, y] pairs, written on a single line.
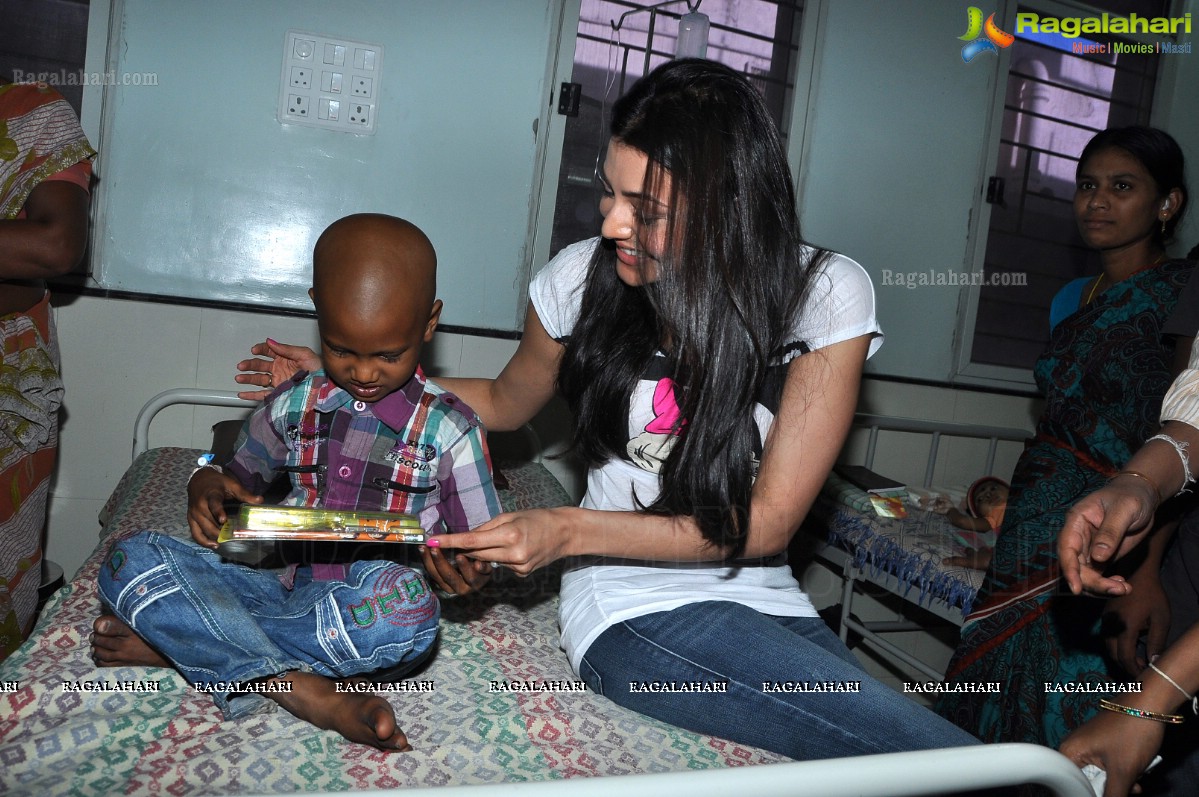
{"points": [[712, 359]]}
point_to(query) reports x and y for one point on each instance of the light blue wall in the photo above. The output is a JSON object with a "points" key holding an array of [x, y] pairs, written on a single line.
{"points": [[898, 134], [1177, 112], [892, 161], [205, 194]]}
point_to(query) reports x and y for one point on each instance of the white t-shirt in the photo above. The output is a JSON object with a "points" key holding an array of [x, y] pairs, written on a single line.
{"points": [[598, 592], [1181, 402]]}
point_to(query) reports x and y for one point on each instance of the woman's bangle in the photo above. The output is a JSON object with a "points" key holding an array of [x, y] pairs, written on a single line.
{"points": [[1157, 492], [1170, 719], [1181, 449], [1194, 700]]}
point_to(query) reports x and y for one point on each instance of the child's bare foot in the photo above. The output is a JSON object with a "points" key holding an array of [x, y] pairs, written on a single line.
{"points": [[361, 717], [115, 644]]}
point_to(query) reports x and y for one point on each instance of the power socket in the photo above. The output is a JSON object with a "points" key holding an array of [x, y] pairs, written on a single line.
{"points": [[330, 82], [297, 106], [360, 114]]}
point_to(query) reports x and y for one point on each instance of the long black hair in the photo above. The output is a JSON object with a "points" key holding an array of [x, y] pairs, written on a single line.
{"points": [[729, 287], [1161, 156]]}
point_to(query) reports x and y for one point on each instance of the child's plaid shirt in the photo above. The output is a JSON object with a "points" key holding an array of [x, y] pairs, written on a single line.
{"points": [[420, 451]]}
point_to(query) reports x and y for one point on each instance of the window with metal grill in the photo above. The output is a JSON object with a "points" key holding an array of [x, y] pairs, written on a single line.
{"points": [[1059, 93], [619, 41]]}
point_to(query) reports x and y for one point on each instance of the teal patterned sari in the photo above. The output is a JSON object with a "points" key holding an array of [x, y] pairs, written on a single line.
{"points": [[1103, 375]]}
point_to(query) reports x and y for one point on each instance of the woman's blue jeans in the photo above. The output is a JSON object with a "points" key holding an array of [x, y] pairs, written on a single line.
{"points": [[757, 656], [225, 624]]}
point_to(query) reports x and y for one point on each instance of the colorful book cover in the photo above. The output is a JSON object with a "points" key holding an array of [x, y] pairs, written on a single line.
{"points": [[888, 506]]}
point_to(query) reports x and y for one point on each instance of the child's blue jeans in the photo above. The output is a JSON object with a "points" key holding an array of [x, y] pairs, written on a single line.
{"points": [[224, 624]]}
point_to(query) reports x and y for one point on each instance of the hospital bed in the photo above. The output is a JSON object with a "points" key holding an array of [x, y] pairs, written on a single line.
{"points": [[904, 557], [60, 736]]}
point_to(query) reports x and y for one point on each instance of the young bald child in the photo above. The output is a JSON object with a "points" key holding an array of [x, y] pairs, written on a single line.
{"points": [[364, 432]]}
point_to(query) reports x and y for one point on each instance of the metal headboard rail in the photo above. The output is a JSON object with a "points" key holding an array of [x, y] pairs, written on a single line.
{"points": [[924, 772], [936, 430], [183, 395], [228, 398]]}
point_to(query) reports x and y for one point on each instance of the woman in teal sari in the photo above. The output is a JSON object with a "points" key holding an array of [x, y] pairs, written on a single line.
{"points": [[1103, 375]]}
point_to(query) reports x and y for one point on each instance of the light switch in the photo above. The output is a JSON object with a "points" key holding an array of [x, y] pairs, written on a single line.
{"points": [[331, 82], [364, 59], [335, 54], [323, 73], [328, 109]]}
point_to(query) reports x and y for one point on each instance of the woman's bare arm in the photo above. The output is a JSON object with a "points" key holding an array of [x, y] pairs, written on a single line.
{"points": [[52, 237], [819, 399], [1112, 520], [525, 385]]}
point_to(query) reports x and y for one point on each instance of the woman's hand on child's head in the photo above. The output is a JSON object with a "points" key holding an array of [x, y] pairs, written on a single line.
{"points": [[207, 492], [274, 364]]}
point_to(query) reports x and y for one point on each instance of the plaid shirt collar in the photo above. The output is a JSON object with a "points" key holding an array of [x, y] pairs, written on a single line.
{"points": [[394, 409]]}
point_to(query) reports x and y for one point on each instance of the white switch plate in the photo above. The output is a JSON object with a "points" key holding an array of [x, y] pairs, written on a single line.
{"points": [[330, 83]]}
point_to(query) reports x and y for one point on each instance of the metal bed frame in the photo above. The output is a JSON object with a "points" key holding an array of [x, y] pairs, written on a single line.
{"points": [[854, 577], [182, 395], [925, 772]]}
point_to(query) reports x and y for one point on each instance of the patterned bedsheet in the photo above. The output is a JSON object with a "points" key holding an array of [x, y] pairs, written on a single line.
{"points": [[910, 549], [59, 734]]}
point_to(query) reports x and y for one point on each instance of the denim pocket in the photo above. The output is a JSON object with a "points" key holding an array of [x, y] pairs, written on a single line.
{"points": [[591, 677]]}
